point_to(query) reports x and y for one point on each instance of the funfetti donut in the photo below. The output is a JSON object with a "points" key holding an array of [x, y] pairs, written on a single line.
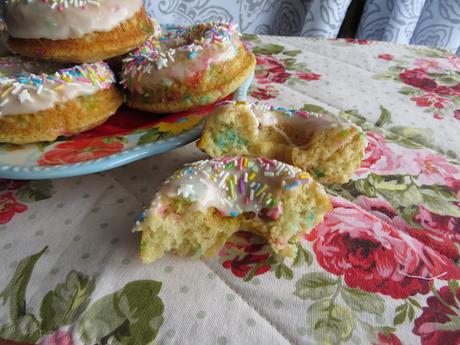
{"points": [[329, 149], [41, 101], [76, 31], [186, 68], [201, 205]]}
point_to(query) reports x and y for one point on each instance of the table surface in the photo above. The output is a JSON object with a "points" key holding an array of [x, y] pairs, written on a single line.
{"points": [[381, 268]]}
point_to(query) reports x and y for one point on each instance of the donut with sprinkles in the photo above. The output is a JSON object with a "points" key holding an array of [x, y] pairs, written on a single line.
{"points": [[331, 150], [76, 31], [204, 203], [186, 67], [40, 101]]}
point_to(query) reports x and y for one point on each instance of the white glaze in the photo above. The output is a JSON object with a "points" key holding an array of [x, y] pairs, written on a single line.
{"points": [[21, 96], [208, 185], [36, 19]]}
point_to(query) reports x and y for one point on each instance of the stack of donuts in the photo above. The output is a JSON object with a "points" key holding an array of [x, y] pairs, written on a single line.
{"points": [[56, 83]]}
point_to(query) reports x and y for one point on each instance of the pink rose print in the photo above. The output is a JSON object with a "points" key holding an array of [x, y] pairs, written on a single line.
{"points": [[432, 169], [454, 61], [378, 157], [438, 324], [264, 93], [440, 239], [454, 185], [431, 99], [373, 256], [438, 223], [308, 76], [428, 65], [386, 57], [418, 78], [457, 114], [270, 70], [9, 207], [59, 337]]}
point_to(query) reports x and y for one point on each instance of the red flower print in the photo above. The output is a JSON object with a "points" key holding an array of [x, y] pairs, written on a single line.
{"points": [[429, 65], [444, 224], [438, 324], [9, 207], [308, 76], [386, 57], [59, 337], [387, 339], [264, 93], [357, 41], [79, 151], [378, 157], [11, 184], [270, 70], [432, 169], [438, 239], [244, 252], [431, 99], [418, 78], [445, 91], [373, 256], [454, 185]]}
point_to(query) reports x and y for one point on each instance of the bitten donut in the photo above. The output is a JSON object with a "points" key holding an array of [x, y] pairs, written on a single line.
{"points": [[186, 68], [76, 31], [199, 207], [39, 101], [330, 150]]}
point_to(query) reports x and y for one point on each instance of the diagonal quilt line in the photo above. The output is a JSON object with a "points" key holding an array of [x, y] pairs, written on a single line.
{"points": [[288, 339]]}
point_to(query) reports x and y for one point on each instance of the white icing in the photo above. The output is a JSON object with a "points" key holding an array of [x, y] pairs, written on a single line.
{"points": [[257, 185], [36, 19], [19, 94], [308, 124]]}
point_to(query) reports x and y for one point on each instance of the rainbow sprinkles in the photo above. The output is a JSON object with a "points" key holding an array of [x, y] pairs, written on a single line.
{"points": [[22, 91], [234, 185]]}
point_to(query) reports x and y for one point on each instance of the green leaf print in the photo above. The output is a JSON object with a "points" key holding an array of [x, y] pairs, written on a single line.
{"points": [[64, 304], [302, 256], [268, 49], [312, 108], [362, 301], [330, 323], [314, 286], [410, 136], [385, 117], [26, 328], [36, 191], [282, 271], [131, 315], [15, 291], [152, 135], [440, 204], [292, 52], [410, 91], [250, 37]]}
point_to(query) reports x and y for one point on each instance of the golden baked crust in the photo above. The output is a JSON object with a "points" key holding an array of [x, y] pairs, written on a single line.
{"points": [[216, 83], [72, 117], [91, 47]]}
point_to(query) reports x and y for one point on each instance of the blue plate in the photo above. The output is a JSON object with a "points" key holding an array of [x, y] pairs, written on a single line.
{"points": [[126, 137]]}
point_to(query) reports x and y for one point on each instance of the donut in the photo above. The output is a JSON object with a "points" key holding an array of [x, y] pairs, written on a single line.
{"points": [[40, 101], [76, 31], [186, 68], [329, 149], [200, 206]]}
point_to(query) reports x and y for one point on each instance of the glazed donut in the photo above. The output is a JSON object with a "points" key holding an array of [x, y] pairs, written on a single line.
{"points": [[40, 102], [76, 31], [200, 206], [329, 149], [186, 68]]}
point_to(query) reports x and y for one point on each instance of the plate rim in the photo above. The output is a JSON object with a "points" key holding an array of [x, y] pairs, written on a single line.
{"points": [[114, 160]]}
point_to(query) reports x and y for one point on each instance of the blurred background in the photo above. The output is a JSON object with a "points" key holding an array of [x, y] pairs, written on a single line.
{"points": [[434, 23]]}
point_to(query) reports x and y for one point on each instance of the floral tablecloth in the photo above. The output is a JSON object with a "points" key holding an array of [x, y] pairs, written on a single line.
{"points": [[381, 269]]}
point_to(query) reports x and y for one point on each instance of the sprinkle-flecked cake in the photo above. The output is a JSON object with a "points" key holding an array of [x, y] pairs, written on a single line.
{"points": [[41, 101], [199, 207], [328, 149]]}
